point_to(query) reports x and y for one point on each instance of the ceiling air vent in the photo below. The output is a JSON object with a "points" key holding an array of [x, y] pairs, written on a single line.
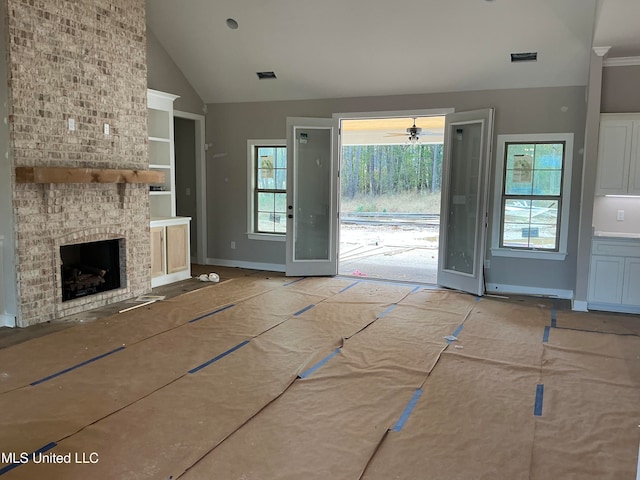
{"points": [[266, 75], [524, 57]]}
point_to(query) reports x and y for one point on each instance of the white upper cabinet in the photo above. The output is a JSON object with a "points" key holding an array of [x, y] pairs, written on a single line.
{"points": [[619, 155]]}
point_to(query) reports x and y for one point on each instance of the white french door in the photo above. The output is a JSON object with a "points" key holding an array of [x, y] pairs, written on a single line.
{"points": [[312, 197], [463, 212]]}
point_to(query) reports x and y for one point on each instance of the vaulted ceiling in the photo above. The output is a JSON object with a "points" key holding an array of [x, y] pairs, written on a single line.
{"points": [[353, 48]]}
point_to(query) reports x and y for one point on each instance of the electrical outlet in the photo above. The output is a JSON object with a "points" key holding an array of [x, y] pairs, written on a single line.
{"points": [[72, 124], [620, 215], [106, 129], [233, 245]]}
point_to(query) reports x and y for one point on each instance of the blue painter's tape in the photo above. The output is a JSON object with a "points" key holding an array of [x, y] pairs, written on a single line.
{"points": [[386, 282], [213, 313], [458, 330], [300, 312], [537, 407], [387, 310], [294, 281], [553, 318], [11, 466], [215, 359], [545, 335], [418, 287], [348, 287], [315, 367], [67, 370], [407, 410]]}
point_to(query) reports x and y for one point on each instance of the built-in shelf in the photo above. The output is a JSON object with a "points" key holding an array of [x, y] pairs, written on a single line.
{"points": [[86, 175], [161, 152]]}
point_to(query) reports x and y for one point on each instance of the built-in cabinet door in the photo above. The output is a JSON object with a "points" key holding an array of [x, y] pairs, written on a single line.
{"points": [[631, 289], [634, 172], [177, 248], [614, 156], [157, 252], [606, 279]]}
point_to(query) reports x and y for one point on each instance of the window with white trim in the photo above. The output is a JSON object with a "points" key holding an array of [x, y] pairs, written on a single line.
{"points": [[267, 200], [532, 189]]}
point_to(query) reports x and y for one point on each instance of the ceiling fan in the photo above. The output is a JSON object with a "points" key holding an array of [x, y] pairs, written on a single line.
{"points": [[413, 134]]}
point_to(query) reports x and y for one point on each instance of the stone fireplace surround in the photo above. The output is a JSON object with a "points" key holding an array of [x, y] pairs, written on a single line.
{"points": [[51, 213], [82, 61]]}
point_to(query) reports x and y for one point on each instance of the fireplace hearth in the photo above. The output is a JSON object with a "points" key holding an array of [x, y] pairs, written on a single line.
{"points": [[91, 268]]}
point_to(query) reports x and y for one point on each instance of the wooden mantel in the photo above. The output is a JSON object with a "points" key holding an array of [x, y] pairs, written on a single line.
{"points": [[86, 175]]}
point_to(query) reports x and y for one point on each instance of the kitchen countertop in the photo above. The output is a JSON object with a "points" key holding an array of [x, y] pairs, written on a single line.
{"points": [[616, 234]]}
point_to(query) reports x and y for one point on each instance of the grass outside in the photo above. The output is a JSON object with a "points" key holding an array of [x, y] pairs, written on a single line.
{"points": [[405, 202]]}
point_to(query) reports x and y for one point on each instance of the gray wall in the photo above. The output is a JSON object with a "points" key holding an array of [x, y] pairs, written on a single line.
{"points": [[517, 111], [8, 274], [620, 89], [186, 192], [164, 75]]}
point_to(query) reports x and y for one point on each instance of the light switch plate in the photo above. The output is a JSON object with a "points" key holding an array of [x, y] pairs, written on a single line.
{"points": [[620, 215]]}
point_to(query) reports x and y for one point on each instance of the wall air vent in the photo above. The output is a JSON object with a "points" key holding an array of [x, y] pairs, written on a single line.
{"points": [[266, 75], [524, 57]]}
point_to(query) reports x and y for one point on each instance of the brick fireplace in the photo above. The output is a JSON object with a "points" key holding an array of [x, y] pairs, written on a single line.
{"points": [[83, 61]]}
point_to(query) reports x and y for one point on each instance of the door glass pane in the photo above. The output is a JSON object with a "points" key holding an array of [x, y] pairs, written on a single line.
{"points": [[465, 150], [312, 193]]}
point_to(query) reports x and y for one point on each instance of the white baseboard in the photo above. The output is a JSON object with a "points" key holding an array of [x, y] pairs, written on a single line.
{"points": [[270, 267], [171, 278], [610, 307], [579, 306], [522, 290], [7, 320]]}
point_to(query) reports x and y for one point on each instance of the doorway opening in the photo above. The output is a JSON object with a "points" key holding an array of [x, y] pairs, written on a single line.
{"points": [[390, 183], [191, 194]]}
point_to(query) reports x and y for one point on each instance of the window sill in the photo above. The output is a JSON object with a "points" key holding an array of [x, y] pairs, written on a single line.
{"points": [[270, 237], [533, 254]]}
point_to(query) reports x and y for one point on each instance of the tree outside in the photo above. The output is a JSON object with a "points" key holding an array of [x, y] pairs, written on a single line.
{"points": [[391, 178]]}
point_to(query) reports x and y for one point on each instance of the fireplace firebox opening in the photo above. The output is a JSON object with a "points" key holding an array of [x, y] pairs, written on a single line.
{"points": [[91, 268]]}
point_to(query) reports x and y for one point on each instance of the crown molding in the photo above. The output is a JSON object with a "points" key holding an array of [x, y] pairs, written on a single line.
{"points": [[601, 51], [621, 61]]}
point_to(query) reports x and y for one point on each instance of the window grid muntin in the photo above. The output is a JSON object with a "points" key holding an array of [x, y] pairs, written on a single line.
{"points": [[532, 197], [279, 166]]}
